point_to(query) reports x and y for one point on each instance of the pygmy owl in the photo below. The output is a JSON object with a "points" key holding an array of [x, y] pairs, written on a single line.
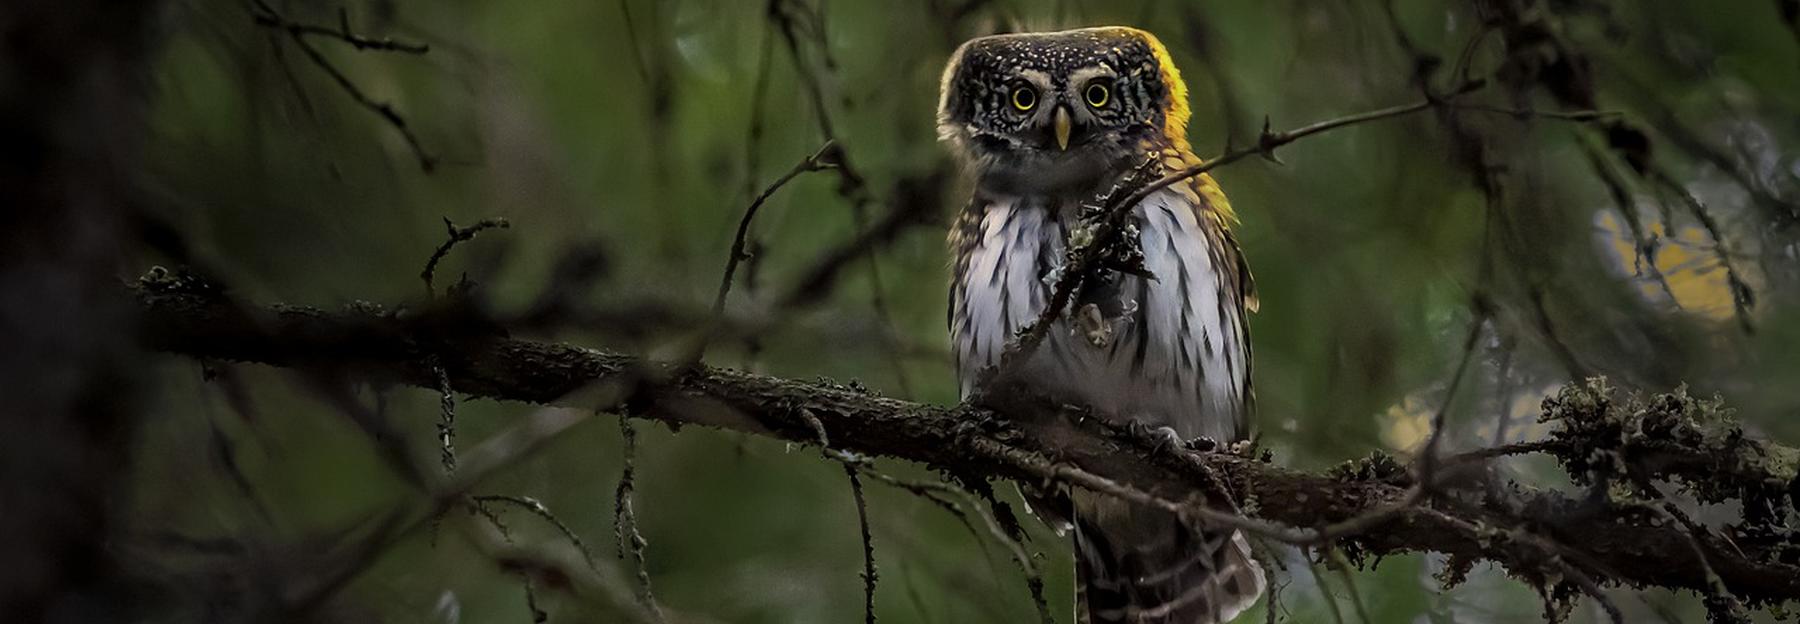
{"points": [[1043, 122]]}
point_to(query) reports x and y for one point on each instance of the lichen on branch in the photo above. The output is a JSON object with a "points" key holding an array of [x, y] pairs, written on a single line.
{"points": [[1563, 544]]}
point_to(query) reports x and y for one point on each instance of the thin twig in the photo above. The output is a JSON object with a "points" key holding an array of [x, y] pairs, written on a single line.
{"points": [[852, 464], [1551, 553], [484, 460], [1335, 560], [1529, 113], [1427, 466], [935, 491], [1503, 391], [455, 235], [626, 536], [793, 21], [817, 281], [1034, 580], [1742, 296], [427, 162], [1083, 260], [1504, 450], [342, 33], [1645, 245], [538, 509], [753, 142], [446, 427], [637, 49], [538, 616], [1428, 459], [868, 544], [1728, 601], [1331, 604], [814, 162]]}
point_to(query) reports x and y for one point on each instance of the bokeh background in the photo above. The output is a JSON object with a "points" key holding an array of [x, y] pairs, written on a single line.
{"points": [[640, 130]]}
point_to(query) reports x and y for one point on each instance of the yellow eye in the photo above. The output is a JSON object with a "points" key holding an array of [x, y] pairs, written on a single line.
{"points": [[1098, 95], [1023, 98]]}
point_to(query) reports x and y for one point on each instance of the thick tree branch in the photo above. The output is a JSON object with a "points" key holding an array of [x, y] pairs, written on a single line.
{"points": [[1542, 537]]}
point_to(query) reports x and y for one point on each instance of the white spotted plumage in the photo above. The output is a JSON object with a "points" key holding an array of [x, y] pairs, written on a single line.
{"points": [[1169, 350], [1178, 358]]}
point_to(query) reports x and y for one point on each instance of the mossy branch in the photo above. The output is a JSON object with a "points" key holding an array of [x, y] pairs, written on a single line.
{"points": [[1545, 538]]}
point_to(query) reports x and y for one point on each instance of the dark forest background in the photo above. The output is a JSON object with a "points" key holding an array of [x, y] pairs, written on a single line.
{"points": [[1643, 230]]}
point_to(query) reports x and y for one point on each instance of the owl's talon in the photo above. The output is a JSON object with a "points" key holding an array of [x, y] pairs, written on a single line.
{"points": [[1167, 439], [1093, 326], [1202, 444], [1162, 438]]}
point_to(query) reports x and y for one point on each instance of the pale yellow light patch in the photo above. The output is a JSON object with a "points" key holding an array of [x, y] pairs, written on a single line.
{"points": [[1406, 425], [1522, 410], [1688, 259]]}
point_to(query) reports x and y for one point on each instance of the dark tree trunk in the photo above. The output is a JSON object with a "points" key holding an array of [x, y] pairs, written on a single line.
{"points": [[71, 116]]}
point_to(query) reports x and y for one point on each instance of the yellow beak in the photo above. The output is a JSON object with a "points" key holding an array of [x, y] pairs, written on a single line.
{"points": [[1062, 128]]}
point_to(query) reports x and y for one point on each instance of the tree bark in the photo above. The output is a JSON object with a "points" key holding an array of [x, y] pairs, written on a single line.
{"points": [[1533, 534], [71, 115]]}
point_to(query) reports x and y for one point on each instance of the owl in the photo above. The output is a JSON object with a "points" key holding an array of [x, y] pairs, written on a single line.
{"points": [[1043, 122]]}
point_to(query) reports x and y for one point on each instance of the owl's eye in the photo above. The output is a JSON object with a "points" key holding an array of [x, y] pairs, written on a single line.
{"points": [[1097, 94], [1023, 98]]}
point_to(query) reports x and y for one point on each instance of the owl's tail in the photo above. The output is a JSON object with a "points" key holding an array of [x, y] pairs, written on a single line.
{"points": [[1158, 570]]}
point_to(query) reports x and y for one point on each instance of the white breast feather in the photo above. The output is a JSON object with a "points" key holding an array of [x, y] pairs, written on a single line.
{"points": [[1179, 383]]}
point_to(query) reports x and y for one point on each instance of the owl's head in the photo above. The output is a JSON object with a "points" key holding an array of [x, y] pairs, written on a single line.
{"points": [[1056, 111]]}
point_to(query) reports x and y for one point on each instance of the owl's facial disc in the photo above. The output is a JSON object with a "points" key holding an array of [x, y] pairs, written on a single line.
{"points": [[1055, 111]]}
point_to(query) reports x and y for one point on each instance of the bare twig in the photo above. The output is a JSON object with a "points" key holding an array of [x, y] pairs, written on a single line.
{"points": [[538, 509], [817, 281], [1331, 603], [1727, 605], [1645, 245], [481, 462], [1034, 579], [427, 162], [1504, 450], [1084, 259], [454, 236], [815, 162], [538, 616], [268, 17], [1742, 296], [1503, 391], [753, 144], [626, 536], [446, 427], [852, 465], [1428, 458], [1335, 560], [868, 545], [637, 48], [1582, 116], [796, 21]]}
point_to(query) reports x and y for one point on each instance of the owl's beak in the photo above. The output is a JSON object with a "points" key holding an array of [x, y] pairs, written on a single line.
{"points": [[1063, 125]]}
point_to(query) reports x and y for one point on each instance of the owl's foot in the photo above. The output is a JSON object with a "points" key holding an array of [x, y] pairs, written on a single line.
{"points": [[1202, 444], [1093, 326], [1163, 438]]}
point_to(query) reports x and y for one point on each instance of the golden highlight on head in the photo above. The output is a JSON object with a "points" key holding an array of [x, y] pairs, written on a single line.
{"points": [[1175, 125], [980, 67]]}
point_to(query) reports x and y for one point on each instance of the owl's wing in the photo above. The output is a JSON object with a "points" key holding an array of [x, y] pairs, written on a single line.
{"points": [[1189, 347], [1001, 248]]}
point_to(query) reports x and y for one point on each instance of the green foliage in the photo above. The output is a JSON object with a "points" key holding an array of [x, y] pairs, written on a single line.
{"points": [[586, 131]]}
